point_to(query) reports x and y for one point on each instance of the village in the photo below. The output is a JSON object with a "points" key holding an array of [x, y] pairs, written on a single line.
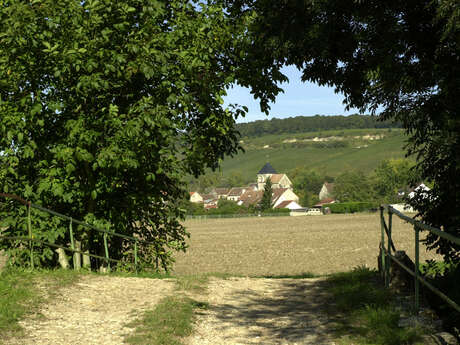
{"points": [[283, 196]]}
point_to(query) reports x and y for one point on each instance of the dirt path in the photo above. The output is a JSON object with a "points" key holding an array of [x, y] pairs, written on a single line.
{"points": [[264, 311], [93, 311], [241, 311]]}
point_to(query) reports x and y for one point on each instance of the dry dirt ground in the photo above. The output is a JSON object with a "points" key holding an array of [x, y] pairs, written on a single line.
{"points": [[94, 311], [245, 311], [265, 246]]}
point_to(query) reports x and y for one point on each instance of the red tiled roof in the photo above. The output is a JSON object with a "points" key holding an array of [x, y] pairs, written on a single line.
{"points": [[276, 178], [251, 197], [284, 204], [277, 194], [236, 191]]}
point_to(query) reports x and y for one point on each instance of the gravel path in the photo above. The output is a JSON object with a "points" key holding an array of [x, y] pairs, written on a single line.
{"points": [[93, 311], [264, 311]]}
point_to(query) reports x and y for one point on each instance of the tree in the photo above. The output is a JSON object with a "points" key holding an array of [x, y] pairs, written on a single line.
{"points": [[266, 202], [307, 185], [400, 57], [392, 176], [105, 107], [352, 186]]}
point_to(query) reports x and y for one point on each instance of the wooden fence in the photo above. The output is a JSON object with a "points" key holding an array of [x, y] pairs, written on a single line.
{"points": [[31, 239], [386, 253]]}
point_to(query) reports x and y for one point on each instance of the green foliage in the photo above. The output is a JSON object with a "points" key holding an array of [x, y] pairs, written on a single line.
{"points": [[266, 202], [170, 321], [368, 315], [106, 106], [299, 124], [352, 186], [392, 176], [351, 207], [307, 185], [20, 294]]}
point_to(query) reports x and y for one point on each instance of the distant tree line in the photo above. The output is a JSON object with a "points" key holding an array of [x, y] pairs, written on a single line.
{"points": [[315, 123]]}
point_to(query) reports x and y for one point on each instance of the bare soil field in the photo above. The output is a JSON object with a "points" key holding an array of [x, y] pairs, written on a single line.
{"points": [[289, 245]]}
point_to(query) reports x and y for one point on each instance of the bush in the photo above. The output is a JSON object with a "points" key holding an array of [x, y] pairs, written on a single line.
{"points": [[351, 207]]}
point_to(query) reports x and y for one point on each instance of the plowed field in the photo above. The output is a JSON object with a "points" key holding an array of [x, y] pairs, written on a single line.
{"points": [[289, 245]]}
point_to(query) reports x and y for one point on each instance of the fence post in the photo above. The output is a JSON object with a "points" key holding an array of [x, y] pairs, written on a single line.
{"points": [[31, 243], [106, 251], [72, 243], [382, 244], [388, 260], [417, 259], [135, 255]]}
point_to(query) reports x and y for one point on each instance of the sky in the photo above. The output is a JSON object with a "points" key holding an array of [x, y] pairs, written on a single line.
{"points": [[299, 98]]}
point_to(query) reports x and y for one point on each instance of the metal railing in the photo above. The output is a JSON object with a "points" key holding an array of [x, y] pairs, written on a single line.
{"points": [[106, 234], [386, 255]]}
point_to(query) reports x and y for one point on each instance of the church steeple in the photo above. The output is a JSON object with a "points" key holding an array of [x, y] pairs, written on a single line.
{"points": [[267, 169]]}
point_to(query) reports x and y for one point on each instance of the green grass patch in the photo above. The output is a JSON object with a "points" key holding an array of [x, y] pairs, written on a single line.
{"points": [[22, 291], [171, 320], [367, 312]]}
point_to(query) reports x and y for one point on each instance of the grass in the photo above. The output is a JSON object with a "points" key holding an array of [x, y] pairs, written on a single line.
{"points": [[330, 161], [21, 294], [171, 320], [367, 314], [173, 317]]}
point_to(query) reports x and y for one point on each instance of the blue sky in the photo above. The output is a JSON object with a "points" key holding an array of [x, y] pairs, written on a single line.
{"points": [[299, 98]]}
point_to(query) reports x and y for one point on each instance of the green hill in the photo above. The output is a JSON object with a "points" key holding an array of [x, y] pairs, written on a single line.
{"points": [[328, 152]]}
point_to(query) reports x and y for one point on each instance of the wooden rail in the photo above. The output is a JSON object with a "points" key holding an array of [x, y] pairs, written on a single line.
{"points": [[386, 255], [31, 239]]}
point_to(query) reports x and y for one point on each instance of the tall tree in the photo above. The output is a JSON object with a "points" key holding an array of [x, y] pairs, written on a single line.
{"points": [[400, 57], [266, 202], [105, 107]]}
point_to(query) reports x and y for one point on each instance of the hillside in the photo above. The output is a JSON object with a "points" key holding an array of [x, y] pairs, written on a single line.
{"points": [[328, 152]]}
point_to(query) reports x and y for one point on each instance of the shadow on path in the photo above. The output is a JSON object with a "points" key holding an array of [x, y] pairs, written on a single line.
{"points": [[270, 311]]}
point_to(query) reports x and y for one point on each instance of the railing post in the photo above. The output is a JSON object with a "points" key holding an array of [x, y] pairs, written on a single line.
{"points": [[388, 260], [135, 255], [72, 243], [106, 247], [417, 259], [31, 243], [382, 245]]}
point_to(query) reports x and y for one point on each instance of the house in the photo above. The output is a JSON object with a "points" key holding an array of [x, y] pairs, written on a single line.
{"points": [[290, 204], [283, 194], [325, 201], [195, 197], [251, 197], [235, 193], [220, 193], [327, 191], [209, 201], [278, 180]]}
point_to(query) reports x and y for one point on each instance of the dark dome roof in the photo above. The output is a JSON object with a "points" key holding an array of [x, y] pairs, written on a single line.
{"points": [[267, 169]]}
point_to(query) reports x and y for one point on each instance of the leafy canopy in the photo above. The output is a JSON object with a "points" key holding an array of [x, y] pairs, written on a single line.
{"points": [[105, 107]]}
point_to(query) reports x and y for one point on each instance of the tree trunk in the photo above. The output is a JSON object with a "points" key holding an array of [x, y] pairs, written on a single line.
{"points": [[62, 258]]}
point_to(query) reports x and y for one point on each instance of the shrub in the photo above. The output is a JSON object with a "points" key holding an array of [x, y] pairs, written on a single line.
{"points": [[351, 207]]}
